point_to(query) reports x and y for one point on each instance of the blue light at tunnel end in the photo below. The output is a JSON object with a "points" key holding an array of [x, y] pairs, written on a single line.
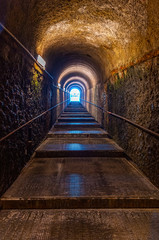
{"points": [[75, 95]]}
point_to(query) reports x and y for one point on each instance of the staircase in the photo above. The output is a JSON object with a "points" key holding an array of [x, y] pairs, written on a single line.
{"points": [[79, 185]]}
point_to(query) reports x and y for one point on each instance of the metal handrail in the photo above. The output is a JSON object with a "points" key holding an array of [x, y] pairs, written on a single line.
{"points": [[30, 121], [92, 104], [30, 55], [152, 133]]}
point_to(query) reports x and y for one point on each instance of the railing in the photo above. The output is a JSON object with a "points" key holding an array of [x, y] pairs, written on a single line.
{"points": [[30, 121], [152, 133], [17, 147], [30, 55]]}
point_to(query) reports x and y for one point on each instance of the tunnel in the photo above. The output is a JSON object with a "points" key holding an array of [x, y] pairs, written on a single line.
{"points": [[101, 54]]}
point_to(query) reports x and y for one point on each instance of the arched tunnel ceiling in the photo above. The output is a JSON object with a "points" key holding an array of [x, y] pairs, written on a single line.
{"points": [[76, 85], [79, 70], [61, 60], [81, 81], [111, 32]]}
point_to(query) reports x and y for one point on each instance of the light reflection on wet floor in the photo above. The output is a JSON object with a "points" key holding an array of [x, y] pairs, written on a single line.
{"points": [[80, 177], [79, 147], [79, 132], [75, 185]]}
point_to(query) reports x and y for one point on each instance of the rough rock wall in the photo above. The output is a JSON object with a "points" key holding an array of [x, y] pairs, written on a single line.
{"points": [[24, 93], [134, 94], [94, 96]]}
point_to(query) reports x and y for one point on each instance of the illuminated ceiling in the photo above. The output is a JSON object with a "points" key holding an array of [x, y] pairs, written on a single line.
{"points": [[105, 34]]}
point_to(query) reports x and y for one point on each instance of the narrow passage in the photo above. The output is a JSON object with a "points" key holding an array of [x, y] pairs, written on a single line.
{"points": [[80, 185]]}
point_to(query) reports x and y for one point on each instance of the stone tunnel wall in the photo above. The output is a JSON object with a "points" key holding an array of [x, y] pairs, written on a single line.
{"points": [[97, 96], [24, 93], [135, 95]]}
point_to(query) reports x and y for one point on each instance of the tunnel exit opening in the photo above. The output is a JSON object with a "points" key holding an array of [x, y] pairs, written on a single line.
{"points": [[75, 95]]}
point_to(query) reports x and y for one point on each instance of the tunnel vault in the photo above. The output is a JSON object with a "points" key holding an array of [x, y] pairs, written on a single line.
{"points": [[111, 33]]}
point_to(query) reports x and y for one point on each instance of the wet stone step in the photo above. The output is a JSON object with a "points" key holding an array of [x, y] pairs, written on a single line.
{"points": [[103, 147], [85, 133], [78, 203], [83, 224], [76, 115], [76, 119], [81, 183], [78, 125], [75, 110]]}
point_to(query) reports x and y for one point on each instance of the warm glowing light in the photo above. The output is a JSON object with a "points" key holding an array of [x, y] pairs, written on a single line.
{"points": [[59, 85], [41, 61], [75, 95]]}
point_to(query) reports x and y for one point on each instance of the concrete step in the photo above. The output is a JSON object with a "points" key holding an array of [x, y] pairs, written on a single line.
{"points": [[85, 112], [83, 147], [75, 103], [74, 107], [80, 224], [74, 110], [76, 119], [76, 114], [80, 115], [79, 125], [76, 133], [80, 183]]}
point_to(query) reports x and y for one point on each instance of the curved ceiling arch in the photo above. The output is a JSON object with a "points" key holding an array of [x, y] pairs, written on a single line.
{"points": [[60, 57], [77, 87], [76, 79], [74, 85], [79, 70], [117, 32], [76, 75]]}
